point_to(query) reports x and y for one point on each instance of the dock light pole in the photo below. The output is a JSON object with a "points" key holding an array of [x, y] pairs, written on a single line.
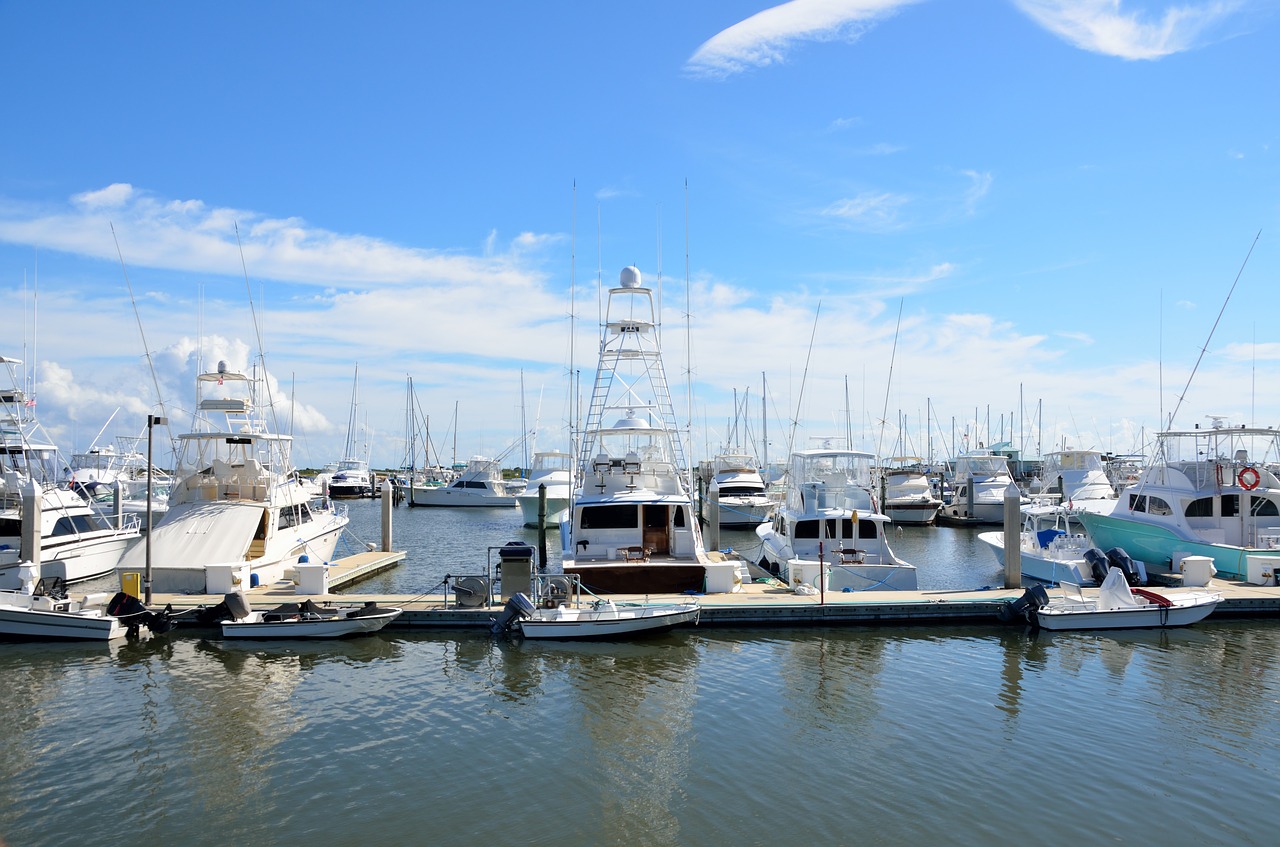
{"points": [[152, 422]]}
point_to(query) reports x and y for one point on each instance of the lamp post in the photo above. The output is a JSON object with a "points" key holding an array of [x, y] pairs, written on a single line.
{"points": [[152, 422]]}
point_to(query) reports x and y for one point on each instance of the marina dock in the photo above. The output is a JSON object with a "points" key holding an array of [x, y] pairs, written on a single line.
{"points": [[756, 605]]}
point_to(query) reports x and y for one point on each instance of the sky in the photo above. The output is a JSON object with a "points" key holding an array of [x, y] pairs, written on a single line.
{"points": [[916, 224]]}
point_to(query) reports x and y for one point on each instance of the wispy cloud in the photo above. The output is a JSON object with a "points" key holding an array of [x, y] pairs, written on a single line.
{"points": [[765, 38], [188, 235], [872, 210], [1104, 26]]}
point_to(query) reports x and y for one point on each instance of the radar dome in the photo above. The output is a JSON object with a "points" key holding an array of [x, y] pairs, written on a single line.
{"points": [[630, 277]]}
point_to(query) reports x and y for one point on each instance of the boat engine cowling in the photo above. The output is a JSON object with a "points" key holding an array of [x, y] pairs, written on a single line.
{"points": [[1025, 606], [1098, 565], [519, 606], [1118, 558], [133, 614]]}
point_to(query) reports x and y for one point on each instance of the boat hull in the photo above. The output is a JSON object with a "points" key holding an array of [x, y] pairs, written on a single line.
{"points": [[1157, 545], [557, 511], [1041, 568], [455, 497], [601, 625], [912, 514], [640, 578], [1186, 610], [25, 624], [335, 627]]}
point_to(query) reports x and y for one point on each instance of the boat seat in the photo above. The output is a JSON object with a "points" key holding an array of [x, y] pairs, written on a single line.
{"points": [[1071, 591], [634, 553]]}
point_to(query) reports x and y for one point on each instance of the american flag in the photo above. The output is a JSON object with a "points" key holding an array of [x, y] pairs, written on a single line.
{"points": [[31, 401]]}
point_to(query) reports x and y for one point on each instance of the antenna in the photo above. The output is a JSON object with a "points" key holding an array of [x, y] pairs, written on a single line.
{"points": [[146, 349]]}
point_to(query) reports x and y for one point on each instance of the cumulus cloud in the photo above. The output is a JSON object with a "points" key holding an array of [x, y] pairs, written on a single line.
{"points": [[1107, 27], [765, 38]]}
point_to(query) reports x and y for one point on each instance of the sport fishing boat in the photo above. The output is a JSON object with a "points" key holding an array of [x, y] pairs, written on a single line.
{"points": [[632, 527], [978, 484], [554, 471], [741, 495], [239, 515], [75, 543], [828, 528], [1209, 492]]}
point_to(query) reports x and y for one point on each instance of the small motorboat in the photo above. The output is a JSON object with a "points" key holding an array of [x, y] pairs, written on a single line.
{"points": [[302, 620], [1116, 606], [599, 620], [43, 611]]}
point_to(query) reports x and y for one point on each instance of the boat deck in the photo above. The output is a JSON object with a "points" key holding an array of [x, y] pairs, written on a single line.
{"points": [[757, 604]]}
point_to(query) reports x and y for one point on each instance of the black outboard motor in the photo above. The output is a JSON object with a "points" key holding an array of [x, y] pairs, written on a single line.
{"points": [[1025, 606], [1118, 558], [1097, 564], [519, 606], [133, 614]]}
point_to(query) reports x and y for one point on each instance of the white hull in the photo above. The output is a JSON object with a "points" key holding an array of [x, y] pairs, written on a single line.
{"points": [[912, 514], [460, 497], [606, 622], [745, 512], [1052, 567], [1187, 609], [72, 561], [254, 626], [557, 510], [18, 620]]}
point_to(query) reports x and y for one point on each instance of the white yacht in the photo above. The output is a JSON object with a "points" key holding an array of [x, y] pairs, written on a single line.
{"points": [[829, 528], [479, 484], [349, 477], [978, 484], [1075, 475], [554, 470], [632, 527], [75, 543], [908, 494], [740, 491], [238, 515]]}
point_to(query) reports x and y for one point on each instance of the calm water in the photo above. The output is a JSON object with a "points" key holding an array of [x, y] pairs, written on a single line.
{"points": [[707, 737]]}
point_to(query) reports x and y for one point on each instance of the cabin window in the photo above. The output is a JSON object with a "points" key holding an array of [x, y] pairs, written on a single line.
{"points": [[1262, 507], [867, 529], [738, 491], [1230, 505], [1202, 508], [1137, 503], [609, 517], [288, 517], [10, 526], [806, 529], [679, 519], [1156, 506]]}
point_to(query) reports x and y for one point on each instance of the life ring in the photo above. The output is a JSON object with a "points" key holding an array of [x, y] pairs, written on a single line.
{"points": [[1249, 478]]}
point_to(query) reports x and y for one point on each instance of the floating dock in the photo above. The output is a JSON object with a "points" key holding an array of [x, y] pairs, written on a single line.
{"points": [[757, 604]]}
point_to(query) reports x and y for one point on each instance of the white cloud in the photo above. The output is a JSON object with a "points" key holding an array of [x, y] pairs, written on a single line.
{"points": [[764, 38], [1103, 26], [980, 184], [111, 197], [869, 210]]}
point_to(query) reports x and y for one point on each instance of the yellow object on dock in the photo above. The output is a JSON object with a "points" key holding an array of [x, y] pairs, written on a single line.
{"points": [[131, 584]]}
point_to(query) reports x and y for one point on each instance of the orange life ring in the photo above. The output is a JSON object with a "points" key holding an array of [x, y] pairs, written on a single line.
{"points": [[1249, 478]]}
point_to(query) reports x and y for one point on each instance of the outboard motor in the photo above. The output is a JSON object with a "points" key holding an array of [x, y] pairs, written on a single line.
{"points": [[133, 614], [1025, 606], [1118, 558], [519, 606], [1097, 563]]}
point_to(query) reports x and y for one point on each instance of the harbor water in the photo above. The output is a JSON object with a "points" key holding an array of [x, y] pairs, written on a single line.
{"points": [[889, 736]]}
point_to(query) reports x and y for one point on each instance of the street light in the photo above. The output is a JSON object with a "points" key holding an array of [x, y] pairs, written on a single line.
{"points": [[152, 422]]}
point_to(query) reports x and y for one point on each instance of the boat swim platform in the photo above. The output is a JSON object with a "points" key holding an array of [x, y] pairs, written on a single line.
{"points": [[757, 604]]}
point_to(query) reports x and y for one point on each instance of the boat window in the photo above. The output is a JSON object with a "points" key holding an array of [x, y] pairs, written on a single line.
{"points": [[288, 517], [64, 526], [623, 516], [10, 526], [867, 529], [738, 491], [679, 519], [1263, 507], [1137, 502], [1230, 505], [806, 529], [1156, 506], [1202, 508]]}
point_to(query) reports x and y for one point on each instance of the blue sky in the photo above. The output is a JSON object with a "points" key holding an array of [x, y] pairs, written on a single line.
{"points": [[1021, 214]]}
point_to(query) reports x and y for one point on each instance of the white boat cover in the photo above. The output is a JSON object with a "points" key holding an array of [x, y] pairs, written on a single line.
{"points": [[1114, 593], [195, 534]]}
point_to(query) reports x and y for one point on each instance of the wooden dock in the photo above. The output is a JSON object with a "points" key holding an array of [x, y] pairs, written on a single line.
{"points": [[756, 605]]}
